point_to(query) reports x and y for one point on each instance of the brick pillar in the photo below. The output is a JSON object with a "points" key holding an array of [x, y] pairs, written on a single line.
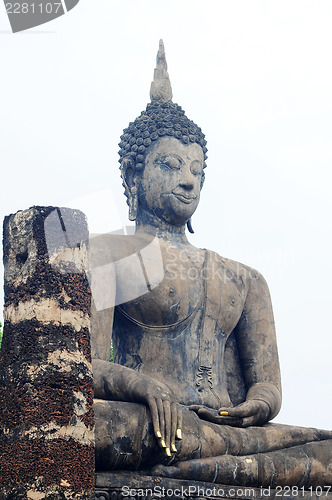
{"points": [[46, 385]]}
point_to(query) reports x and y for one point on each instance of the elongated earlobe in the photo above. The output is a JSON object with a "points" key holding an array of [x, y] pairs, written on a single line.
{"points": [[128, 178], [189, 226], [133, 203]]}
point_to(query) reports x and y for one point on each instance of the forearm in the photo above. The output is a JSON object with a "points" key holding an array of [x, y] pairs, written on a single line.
{"points": [[269, 394], [112, 381], [115, 382]]}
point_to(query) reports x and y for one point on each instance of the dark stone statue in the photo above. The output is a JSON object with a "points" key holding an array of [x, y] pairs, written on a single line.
{"points": [[195, 379]]}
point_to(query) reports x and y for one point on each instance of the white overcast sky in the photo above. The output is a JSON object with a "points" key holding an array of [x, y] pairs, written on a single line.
{"points": [[256, 75]]}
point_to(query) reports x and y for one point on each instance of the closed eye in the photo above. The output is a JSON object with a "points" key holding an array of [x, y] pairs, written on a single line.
{"points": [[171, 162], [196, 168]]}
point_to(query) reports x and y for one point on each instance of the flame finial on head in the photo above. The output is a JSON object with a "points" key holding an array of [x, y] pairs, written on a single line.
{"points": [[161, 89]]}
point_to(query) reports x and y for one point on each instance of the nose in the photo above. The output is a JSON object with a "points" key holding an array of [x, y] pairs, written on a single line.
{"points": [[187, 179]]}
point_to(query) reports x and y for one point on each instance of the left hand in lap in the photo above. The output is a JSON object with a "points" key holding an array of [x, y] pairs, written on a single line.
{"points": [[252, 412]]}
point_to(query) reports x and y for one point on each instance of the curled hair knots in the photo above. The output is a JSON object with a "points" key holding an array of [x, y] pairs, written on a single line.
{"points": [[159, 119]]}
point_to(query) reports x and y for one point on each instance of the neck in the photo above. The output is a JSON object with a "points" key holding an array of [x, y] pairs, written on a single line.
{"points": [[151, 224]]}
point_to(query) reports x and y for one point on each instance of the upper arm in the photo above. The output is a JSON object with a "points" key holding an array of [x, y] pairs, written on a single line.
{"points": [[101, 332], [102, 280], [256, 337]]}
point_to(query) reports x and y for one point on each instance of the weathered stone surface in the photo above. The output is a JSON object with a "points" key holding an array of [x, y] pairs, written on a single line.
{"points": [[197, 353], [46, 386]]}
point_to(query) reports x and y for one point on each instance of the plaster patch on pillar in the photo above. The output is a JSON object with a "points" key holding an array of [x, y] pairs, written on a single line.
{"points": [[63, 360], [35, 495], [79, 433], [70, 260], [46, 311], [79, 404]]}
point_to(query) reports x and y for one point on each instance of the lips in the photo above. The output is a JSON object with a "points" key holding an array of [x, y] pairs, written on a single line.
{"points": [[184, 197]]}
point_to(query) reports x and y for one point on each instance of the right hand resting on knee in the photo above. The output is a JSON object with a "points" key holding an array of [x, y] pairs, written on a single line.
{"points": [[165, 411]]}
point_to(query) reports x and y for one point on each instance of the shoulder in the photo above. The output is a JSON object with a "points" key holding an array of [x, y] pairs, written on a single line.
{"points": [[231, 270], [106, 248]]}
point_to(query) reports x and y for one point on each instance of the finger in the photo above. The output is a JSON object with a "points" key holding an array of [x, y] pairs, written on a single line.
{"points": [[174, 417], [195, 407], [205, 414], [260, 418], [246, 409], [231, 421], [167, 416], [155, 417], [247, 422], [179, 423], [160, 407]]}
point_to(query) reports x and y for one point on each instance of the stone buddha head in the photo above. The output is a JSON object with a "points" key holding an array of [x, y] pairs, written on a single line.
{"points": [[162, 157]]}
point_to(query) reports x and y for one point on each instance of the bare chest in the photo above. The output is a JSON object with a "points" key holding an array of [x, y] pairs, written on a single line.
{"points": [[169, 286], [173, 285]]}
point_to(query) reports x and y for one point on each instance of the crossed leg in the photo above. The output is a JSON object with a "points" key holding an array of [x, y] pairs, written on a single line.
{"points": [[271, 455]]}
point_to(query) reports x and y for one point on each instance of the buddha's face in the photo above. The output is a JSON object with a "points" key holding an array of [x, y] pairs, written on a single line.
{"points": [[170, 185]]}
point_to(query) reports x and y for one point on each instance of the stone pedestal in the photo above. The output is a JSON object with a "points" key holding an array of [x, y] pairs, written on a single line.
{"points": [[46, 384], [135, 486]]}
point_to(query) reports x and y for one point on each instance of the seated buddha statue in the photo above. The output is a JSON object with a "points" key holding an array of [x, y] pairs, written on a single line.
{"points": [[195, 378]]}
